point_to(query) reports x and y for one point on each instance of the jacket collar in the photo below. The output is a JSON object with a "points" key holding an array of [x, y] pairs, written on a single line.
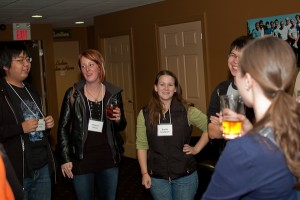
{"points": [[109, 87]]}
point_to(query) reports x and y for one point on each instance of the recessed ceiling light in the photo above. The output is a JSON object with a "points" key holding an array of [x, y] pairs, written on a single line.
{"points": [[79, 22], [36, 16]]}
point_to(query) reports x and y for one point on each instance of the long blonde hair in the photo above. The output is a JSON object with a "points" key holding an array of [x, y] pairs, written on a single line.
{"points": [[272, 63]]}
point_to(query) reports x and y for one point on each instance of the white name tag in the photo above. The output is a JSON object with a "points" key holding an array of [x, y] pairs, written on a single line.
{"points": [[41, 125], [164, 130], [95, 126]]}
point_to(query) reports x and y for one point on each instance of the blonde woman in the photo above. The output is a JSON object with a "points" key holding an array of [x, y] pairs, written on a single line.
{"points": [[265, 162]]}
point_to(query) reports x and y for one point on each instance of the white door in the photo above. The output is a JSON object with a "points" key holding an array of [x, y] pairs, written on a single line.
{"points": [[119, 72], [181, 52]]}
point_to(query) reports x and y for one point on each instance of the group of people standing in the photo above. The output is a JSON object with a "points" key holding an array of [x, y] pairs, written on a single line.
{"points": [[89, 143], [287, 30], [262, 164]]}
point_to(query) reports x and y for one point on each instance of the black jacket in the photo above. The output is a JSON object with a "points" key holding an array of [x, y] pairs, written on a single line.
{"points": [[165, 157], [73, 124], [11, 134]]}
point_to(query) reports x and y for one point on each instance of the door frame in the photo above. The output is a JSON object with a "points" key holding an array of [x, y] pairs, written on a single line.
{"points": [[101, 48], [202, 18], [132, 153]]}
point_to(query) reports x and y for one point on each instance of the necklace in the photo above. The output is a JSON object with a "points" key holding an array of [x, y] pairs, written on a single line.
{"points": [[96, 99]]}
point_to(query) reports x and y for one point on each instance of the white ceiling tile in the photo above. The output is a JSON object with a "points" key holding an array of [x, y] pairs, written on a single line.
{"points": [[62, 12]]}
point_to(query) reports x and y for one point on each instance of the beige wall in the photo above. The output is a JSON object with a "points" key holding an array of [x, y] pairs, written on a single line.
{"points": [[223, 22], [67, 71]]}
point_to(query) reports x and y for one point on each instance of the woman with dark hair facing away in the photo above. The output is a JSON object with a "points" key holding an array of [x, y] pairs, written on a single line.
{"points": [[89, 141], [164, 130], [265, 162]]}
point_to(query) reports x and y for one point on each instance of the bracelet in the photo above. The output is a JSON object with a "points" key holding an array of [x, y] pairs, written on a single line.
{"points": [[144, 173]]}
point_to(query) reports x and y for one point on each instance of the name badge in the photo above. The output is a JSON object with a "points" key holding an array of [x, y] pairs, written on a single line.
{"points": [[164, 130], [95, 126], [41, 125]]}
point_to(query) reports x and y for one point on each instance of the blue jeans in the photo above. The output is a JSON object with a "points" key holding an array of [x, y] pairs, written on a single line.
{"points": [[183, 188], [106, 182], [39, 186]]}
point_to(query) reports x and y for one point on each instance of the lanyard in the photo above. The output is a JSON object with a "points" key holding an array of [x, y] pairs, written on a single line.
{"points": [[101, 105], [169, 115], [25, 103]]}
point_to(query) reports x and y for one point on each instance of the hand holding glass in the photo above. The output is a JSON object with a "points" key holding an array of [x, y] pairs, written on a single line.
{"points": [[231, 106], [112, 104]]}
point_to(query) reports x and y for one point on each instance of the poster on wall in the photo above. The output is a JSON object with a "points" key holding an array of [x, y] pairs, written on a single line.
{"points": [[286, 27]]}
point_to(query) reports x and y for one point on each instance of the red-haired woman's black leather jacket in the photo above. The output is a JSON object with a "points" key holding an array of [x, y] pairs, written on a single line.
{"points": [[73, 125]]}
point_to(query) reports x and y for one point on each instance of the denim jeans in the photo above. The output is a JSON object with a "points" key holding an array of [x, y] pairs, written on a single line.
{"points": [[183, 188], [39, 186], [105, 180]]}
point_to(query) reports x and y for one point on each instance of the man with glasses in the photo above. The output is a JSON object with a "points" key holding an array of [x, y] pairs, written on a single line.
{"points": [[24, 128], [225, 87]]}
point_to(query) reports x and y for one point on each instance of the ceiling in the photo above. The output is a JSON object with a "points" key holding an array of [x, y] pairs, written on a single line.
{"points": [[62, 13]]}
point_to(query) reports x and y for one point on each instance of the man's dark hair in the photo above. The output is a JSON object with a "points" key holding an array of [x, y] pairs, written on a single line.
{"points": [[239, 43], [8, 51]]}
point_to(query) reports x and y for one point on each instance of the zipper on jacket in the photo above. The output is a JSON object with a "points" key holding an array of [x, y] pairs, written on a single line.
{"points": [[84, 119], [115, 143], [54, 165], [23, 162], [21, 139]]}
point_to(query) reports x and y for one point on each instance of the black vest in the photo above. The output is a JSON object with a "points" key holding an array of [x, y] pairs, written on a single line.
{"points": [[166, 158]]}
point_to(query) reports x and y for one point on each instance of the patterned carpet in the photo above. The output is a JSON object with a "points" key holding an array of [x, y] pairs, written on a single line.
{"points": [[129, 187]]}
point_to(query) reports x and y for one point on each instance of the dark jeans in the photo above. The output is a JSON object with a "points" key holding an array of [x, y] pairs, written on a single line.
{"points": [[39, 186], [106, 182]]}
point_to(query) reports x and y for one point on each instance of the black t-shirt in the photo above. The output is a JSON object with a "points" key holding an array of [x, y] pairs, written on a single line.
{"points": [[97, 154], [214, 107], [27, 106], [214, 104]]}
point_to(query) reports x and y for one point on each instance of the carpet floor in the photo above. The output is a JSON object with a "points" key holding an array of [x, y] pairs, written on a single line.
{"points": [[129, 186]]}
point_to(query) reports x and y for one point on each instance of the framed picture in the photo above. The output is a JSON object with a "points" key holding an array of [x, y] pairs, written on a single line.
{"points": [[286, 27]]}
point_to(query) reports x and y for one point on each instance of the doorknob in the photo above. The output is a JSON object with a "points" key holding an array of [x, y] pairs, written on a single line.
{"points": [[129, 101]]}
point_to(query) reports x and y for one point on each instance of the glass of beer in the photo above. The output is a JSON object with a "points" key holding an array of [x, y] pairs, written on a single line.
{"points": [[112, 104], [231, 105]]}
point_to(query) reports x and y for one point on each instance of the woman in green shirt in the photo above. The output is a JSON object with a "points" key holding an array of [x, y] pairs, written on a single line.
{"points": [[164, 129]]}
